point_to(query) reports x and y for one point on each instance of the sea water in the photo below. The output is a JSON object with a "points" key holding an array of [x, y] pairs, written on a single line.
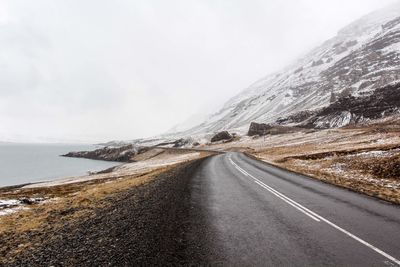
{"points": [[30, 163]]}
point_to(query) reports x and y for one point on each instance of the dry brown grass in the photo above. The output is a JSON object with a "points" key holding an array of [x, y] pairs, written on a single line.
{"points": [[65, 205], [334, 156], [65, 201], [319, 170], [71, 201], [148, 154], [383, 168]]}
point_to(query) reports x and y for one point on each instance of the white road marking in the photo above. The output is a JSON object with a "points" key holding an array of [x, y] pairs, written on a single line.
{"points": [[312, 217], [278, 194], [312, 214]]}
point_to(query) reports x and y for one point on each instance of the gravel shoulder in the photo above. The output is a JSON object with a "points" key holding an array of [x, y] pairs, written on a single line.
{"points": [[156, 223]]}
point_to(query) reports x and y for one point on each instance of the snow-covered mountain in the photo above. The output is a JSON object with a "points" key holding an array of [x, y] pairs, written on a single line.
{"points": [[363, 57], [189, 123]]}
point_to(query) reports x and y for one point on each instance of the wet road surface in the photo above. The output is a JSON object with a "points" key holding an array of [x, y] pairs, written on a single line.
{"points": [[261, 215]]}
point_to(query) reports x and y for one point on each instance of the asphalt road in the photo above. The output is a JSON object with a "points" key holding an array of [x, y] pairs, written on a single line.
{"points": [[260, 215], [225, 210]]}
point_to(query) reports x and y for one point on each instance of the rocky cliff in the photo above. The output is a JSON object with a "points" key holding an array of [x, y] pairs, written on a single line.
{"points": [[120, 154], [362, 58]]}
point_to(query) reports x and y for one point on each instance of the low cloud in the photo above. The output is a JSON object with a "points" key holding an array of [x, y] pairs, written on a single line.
{"points": [[99, 70]]}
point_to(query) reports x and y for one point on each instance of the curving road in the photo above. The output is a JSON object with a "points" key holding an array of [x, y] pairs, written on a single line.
{"points": [[227, 210], [260, 215]]}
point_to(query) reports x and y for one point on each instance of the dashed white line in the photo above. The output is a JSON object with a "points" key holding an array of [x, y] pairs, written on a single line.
{"points": [[312, 214]]}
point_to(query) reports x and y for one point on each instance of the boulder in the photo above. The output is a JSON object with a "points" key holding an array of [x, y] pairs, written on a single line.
{"points": [[317, 63], [196, 144], [259, 129], [181, 142], [224, 135]]}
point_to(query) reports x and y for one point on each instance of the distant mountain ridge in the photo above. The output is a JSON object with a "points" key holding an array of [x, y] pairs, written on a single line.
{"points": [[363, 57]]}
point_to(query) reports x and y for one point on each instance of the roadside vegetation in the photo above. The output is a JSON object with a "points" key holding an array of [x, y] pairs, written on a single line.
{"points": [[30, 224], [365, 158]]}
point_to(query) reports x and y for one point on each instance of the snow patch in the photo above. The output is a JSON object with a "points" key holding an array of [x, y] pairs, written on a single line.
{"points": [[11, 210]]}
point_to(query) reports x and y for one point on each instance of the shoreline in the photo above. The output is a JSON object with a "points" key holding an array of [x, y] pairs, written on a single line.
{"points": [[45, 226], [37, 163], [89, 173], [12, 197], [43, 208]]}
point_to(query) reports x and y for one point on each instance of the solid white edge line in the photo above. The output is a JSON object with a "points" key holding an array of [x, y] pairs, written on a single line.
{"points": [[314, 215], [289, 199], [393, 259], [302, 208], [291, 204], [276, 193]]}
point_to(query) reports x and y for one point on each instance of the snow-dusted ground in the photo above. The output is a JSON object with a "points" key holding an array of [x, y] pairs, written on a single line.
{"points": [[9, 206], [134, 168], [338, 154], [362, 57], [8, 202], [8, 211]]}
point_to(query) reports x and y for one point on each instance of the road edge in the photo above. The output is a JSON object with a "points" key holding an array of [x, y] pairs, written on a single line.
{"points": [[364, 193]]}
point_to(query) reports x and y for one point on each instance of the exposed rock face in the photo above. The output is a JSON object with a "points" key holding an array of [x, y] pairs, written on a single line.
{"points": [[181, 142], [350, 109], [121, 154], [224, 135], [264, 129], [363, 57], [196, 144], [176, 143], [5, 204], [258, 129]]}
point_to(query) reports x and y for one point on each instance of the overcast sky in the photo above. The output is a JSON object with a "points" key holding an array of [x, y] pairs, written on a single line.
{"points": [[100, 70]]}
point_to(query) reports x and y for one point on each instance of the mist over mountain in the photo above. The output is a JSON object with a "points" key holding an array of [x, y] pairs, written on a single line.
{"points": [[363, 57]]}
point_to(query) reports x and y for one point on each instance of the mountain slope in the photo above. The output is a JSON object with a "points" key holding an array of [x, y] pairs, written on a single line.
{"points": [[364, 56]]}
